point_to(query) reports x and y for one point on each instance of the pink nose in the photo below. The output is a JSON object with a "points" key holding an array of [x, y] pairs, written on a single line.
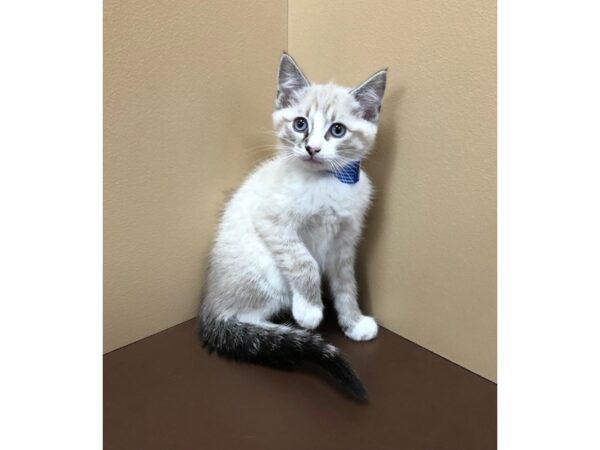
{"points": [[312, 150]]}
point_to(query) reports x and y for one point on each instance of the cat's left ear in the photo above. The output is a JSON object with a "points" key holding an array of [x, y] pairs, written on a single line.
{"points": [[370, 95], [290, 80]]}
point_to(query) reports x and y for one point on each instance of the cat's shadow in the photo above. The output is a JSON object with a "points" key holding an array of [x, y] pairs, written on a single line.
{"points": [[379, 167]]}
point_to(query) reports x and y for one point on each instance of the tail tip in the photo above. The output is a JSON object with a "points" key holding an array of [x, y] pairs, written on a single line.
{"points": [[358, 392]]}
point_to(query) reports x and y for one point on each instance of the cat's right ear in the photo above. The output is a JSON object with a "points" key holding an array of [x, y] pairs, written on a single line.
{"points": [[290, 80]]}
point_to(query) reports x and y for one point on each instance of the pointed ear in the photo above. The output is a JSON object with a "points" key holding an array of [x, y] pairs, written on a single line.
{"points": [[290, 79], [370, 95]]}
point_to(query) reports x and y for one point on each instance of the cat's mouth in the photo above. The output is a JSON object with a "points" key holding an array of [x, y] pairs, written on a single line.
{"points": [[312, 159]]}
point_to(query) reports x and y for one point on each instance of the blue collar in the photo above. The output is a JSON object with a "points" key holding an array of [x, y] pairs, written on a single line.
{"points": [[348, 174]]}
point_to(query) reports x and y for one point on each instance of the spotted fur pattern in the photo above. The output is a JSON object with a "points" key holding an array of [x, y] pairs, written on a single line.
{"points": [[290, 224]]}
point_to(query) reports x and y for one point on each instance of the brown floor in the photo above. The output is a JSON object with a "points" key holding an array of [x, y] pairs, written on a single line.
{"points": [[166, 392]]}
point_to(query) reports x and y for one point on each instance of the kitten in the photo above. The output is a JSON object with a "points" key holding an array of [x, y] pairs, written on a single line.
{"points": [[296, 218]]}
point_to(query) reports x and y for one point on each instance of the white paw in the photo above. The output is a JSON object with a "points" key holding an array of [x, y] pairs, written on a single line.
{"points": [[364, 329], [307, 315]]}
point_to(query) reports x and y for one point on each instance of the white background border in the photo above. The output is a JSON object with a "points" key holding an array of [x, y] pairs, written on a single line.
{"points": [[51, 225], [549, 223], [51, 238]]}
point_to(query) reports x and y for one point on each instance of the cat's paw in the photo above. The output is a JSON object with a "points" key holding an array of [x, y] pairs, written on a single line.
{"points": [[306, 314], [364, 329]]}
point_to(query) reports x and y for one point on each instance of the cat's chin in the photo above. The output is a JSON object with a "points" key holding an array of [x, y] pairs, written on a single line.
{"points": [[314, 165]]}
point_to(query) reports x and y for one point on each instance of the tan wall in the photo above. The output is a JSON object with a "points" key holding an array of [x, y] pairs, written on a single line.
{"points": [[428, 263], [188, 85]]}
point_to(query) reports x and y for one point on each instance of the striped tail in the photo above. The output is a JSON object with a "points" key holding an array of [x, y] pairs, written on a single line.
{"points": [[279, 346]]}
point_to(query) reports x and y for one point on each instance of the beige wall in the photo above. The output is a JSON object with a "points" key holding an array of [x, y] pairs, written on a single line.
{"points": [[188, 85], [428, 261]]}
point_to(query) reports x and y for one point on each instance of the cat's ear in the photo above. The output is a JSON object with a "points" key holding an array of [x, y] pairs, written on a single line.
{"points": [[370, 95], [290, 80]]}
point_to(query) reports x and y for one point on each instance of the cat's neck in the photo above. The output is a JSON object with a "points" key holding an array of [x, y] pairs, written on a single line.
{"points": [[348, 174]]}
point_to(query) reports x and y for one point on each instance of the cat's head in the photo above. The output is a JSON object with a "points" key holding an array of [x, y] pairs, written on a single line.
{"points": [[325, 127]]}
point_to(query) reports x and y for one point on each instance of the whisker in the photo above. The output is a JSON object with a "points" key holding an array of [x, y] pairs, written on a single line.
{"points": [[275, 134]]}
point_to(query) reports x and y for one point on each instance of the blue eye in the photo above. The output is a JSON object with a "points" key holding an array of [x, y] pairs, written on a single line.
{"points": [[337, 130], [300, 124]]}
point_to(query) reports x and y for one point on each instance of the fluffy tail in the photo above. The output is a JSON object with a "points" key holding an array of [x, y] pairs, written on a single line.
{"points": [[279, 346]]}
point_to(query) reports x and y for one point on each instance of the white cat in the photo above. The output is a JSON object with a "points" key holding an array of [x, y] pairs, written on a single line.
{"points": [[296, 218]]}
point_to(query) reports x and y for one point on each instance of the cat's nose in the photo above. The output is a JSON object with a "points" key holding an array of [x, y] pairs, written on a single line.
{"points": [[312, 150]]}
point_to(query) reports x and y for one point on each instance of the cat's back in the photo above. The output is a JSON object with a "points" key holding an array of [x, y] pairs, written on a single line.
{"points": [[251, 193]]}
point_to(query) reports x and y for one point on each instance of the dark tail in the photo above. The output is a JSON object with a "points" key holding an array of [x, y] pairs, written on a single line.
{"points": [[279, 346]]}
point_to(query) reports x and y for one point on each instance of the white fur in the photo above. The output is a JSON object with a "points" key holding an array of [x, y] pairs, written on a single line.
{"points": [[292, 221], [316, 204], [363, 330], [306, 314]]}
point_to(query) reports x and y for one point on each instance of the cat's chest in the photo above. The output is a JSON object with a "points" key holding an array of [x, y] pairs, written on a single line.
{"points": [[326, 212], [328, 202], [321, 206], [327, 219], [320, 230]]}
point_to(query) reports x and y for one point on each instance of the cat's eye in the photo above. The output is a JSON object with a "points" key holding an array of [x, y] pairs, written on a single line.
{"points": [[337, 130], [300, 124]]}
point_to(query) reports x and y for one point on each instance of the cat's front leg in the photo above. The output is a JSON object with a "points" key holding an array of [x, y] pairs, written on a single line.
{"points": [[298, 267], [342, 281], [307, 314]]}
